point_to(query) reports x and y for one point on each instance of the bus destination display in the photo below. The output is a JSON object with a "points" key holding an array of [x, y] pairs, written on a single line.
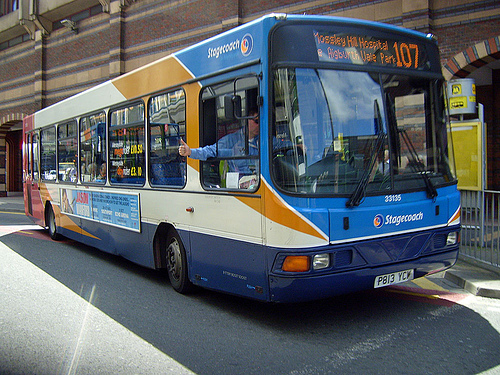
{"points": [[369, 50]]}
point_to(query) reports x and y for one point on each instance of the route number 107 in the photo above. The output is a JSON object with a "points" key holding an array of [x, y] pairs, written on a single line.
{"points": [[406, 55]]}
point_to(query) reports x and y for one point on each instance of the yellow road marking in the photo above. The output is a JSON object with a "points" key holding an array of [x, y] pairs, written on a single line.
{"points": [[13, 213], [429, 296], [427, 284]]}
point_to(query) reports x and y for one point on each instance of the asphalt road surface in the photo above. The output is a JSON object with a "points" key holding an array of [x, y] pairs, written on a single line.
{"points": [[66, 308]]}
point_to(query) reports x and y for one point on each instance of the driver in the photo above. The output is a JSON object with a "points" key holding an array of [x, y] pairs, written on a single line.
{"points": [[231, 145], [234, 145]]}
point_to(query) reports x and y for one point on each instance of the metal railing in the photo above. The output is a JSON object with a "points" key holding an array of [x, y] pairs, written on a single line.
{"points": [[480, 238]]}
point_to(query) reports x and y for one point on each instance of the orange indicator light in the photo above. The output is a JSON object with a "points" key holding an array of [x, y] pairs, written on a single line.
{"points": [[296, 263]]}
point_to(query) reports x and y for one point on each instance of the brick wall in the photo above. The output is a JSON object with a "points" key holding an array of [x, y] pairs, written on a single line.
{"points": [[455, 38], [16, 80], [50, 68], [111, 44]]}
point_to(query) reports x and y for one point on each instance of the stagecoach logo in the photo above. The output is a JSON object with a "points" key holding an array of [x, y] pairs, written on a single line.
{"points": [[378, 221], [396, 220], [245, 45]]}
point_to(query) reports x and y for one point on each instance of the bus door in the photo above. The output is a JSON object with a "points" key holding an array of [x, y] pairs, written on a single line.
{"points": [[33, 198], [229, 221]]}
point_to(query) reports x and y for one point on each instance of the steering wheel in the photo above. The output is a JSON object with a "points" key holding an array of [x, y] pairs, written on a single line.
{"points": [[284, 164]]}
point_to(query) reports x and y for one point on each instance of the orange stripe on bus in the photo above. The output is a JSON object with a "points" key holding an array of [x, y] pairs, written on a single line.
{"points": [[67, 222], [278, 212], [456, 216], [152, 78]]}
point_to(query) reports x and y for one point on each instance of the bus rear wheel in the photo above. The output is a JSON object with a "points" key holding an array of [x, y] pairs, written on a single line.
{"points": [[176, 262], [50, 219]]}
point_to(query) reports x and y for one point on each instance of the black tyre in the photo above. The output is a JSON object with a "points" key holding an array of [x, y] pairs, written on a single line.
{"points": [[50, 219], [176, 261]]}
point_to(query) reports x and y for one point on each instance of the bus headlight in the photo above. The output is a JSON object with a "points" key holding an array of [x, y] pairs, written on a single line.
{"points": [[321, 261], [304, 263], [452, 238]]}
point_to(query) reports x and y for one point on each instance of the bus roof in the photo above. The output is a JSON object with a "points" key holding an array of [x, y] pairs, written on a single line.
{"points": [[245, 44]]}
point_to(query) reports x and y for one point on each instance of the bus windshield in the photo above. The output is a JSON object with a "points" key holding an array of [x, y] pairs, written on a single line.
{"points": [[355, 132]]}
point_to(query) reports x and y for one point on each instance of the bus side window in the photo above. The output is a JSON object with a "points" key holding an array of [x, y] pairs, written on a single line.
{"points": [[167, 125], [67, 147], [48, 154], [126, 145], [34, 152], [28, 154], [93, 148]]}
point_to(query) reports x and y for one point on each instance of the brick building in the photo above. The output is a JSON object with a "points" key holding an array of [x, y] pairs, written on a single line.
{"points": [[52, 49]]}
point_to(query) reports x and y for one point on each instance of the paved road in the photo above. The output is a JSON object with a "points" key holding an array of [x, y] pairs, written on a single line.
{"points": [[67, 308]]}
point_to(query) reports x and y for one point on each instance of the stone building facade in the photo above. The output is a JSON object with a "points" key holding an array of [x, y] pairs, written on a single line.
{"points": [[52, 49]]}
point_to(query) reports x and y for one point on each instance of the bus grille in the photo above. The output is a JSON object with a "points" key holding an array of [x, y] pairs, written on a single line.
{"points": [[343, 258], [439, 241]]}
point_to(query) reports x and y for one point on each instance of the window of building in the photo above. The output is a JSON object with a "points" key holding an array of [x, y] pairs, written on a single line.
{"points": [[48, 154], [67, 148], [8, 6], [93, 148], [126, 145], [96, 9], [167, 125], [15, 41]]}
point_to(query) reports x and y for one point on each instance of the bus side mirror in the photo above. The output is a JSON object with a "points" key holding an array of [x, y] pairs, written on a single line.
{"points": [[232, 107]]}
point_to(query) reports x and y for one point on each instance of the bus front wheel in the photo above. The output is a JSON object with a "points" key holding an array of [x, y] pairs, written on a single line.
{"points": [[176, 262]]}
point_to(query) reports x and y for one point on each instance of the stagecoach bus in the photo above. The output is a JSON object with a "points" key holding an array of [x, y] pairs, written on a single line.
{"points": [[348, 185]]}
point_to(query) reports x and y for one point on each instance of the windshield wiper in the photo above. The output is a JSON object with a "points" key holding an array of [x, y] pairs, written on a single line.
{"points": [[418, 166], [359, 193], [360, 190]]}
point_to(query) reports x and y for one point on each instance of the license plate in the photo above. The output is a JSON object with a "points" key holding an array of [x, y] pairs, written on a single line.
{"points": [[393, 278]]}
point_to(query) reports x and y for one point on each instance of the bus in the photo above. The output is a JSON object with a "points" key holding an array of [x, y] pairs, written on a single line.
{"points": [[349, 184]]}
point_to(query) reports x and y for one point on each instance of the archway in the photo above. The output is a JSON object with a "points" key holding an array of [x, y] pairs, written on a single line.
{"points": [[482, 63], [11, 153], [478, 56]]}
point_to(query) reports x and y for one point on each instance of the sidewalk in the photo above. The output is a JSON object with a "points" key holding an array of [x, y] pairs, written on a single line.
{"points": [[471, 276], [467, 274]]}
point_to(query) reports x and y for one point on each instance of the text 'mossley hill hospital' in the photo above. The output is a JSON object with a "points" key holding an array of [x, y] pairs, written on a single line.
{"points": [[360, 49]]}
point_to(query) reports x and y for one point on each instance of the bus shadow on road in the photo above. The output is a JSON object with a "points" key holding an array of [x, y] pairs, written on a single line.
{"points": [[386, 330]]}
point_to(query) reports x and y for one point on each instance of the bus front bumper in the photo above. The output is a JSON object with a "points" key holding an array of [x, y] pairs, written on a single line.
{"points": [[312, 287]]}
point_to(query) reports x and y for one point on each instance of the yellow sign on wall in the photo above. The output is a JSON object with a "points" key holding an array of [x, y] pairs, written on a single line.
{"points": [[468, 150]]}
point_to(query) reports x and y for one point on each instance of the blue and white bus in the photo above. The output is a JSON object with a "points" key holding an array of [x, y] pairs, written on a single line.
{"points": [[351, 183]]}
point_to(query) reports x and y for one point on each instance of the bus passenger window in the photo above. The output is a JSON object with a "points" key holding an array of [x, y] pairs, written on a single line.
{"points": [[27, 146], [126, 145], [230, 146], [93, 147], [34, 152], [167, 125], [48, 151], [67, 147]]}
